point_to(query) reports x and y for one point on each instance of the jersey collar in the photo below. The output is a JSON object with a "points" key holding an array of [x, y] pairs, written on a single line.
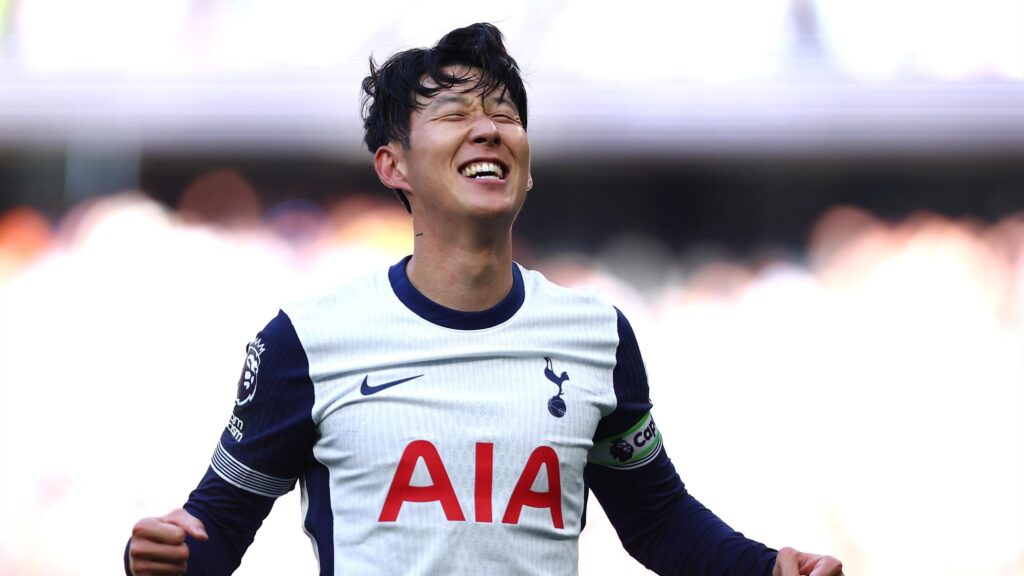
{"points": [[443, 316]]}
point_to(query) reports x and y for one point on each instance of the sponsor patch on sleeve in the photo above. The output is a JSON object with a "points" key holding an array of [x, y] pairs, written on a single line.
{"points": [[250, 373], [630, 449], [246, 388]]}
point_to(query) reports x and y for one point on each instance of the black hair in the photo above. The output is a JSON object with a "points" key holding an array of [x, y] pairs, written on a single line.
{"points": [[390, 91]]}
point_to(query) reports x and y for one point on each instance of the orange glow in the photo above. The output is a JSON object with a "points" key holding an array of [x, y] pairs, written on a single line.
{"points": [[220, 197], [24, 235]]}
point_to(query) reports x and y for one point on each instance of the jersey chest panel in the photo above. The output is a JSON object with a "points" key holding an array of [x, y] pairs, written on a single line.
{"points": [[488, 402]]}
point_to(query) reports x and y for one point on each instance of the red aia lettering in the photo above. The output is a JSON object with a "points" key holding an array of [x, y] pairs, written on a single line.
{"points": [[484, 481], [524, 495], [441, 489]]}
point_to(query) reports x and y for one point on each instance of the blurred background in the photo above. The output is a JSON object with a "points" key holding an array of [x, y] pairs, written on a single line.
{"points": [[812, 211]]}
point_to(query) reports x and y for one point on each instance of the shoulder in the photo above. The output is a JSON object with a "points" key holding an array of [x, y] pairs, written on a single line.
{"points": [[583, 300], [579, 305], [337, 301]]}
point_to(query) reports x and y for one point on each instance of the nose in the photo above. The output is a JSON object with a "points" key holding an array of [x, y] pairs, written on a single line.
{"points": [[485, 131]]}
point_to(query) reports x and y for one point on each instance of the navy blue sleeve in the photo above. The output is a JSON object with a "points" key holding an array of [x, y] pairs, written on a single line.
{"points": [[270, 435], [231, 517], [659, 523], [265, 447]]}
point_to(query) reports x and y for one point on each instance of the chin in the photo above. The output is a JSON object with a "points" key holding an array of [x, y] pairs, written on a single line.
{"points": [[495, 216], [493, 206], [494, 211]]}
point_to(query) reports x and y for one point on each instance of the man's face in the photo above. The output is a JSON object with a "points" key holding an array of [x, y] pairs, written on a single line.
{"points": [[468, 157]]}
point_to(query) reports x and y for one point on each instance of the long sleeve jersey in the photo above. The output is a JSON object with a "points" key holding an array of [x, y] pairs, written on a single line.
{"points": [[427, 440]]}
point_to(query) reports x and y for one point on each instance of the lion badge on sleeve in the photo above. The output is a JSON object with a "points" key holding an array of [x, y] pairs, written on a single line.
{"points": [[250, 373]]}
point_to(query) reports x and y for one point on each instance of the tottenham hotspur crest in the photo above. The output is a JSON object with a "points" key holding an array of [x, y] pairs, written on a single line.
{"points": [[556, 406], [247, 381]]}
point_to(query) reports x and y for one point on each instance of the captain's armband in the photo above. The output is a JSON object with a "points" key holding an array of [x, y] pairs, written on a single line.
{"points": [[630, 449]]}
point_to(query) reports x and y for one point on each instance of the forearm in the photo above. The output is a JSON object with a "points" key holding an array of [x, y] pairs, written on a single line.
{"points": [[668, 530], [230, 517]]}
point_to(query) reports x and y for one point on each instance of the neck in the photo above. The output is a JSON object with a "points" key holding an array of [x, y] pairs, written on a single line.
{"points": [[465, 277]]}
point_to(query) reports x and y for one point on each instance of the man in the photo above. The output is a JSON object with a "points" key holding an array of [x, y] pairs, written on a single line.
{"points": [[448, 415]]}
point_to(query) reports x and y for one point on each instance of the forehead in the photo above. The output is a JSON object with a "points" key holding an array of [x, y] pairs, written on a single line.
{"points": [[467, 90]]}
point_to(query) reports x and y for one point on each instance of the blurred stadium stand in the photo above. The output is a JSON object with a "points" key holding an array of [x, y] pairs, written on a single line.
{"points": [[694, 126], [797, 201]]}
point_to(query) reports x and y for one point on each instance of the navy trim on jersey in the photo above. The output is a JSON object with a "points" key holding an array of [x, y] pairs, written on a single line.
{"points": [[272, 433], [443, 316], [319, 522], [629, 378]]}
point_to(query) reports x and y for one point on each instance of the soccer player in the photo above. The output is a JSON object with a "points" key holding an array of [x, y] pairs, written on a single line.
{"points": [[449, 415]]}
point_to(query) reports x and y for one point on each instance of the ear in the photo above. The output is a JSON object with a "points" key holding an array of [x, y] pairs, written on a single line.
{"points": [[389, 163], [529, 182]]}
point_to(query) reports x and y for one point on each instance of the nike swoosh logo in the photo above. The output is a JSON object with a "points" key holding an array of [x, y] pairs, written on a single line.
{"points": [[367, 390]]}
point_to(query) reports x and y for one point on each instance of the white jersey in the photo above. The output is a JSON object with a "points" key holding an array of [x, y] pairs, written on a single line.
{"points": [[431, 441]]}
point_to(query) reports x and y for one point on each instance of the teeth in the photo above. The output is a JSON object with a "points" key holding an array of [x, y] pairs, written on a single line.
{"points": [[486, 169]]}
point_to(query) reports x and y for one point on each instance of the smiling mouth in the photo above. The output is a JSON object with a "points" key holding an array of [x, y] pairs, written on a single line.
{"points": [[484, 170]]}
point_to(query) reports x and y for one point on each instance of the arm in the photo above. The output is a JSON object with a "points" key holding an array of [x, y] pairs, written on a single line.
{"points": [[208, 536], [666, 529], [264, 449], [659, 522]]}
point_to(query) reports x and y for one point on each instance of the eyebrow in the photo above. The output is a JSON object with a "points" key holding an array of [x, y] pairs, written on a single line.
{"points": [[465, 100], [501, 100], [448, 99]]}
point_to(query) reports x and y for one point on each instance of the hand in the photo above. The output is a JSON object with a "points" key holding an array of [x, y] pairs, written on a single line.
{"points": [[792, 563], [158, 544]]}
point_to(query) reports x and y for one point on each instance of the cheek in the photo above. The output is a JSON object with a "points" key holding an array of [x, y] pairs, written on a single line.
{"points": [[437, 154], [521, 144], [429, 163]]}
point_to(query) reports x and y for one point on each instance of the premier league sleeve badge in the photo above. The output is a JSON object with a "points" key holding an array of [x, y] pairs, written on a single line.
{"points": [[250, 373]]}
